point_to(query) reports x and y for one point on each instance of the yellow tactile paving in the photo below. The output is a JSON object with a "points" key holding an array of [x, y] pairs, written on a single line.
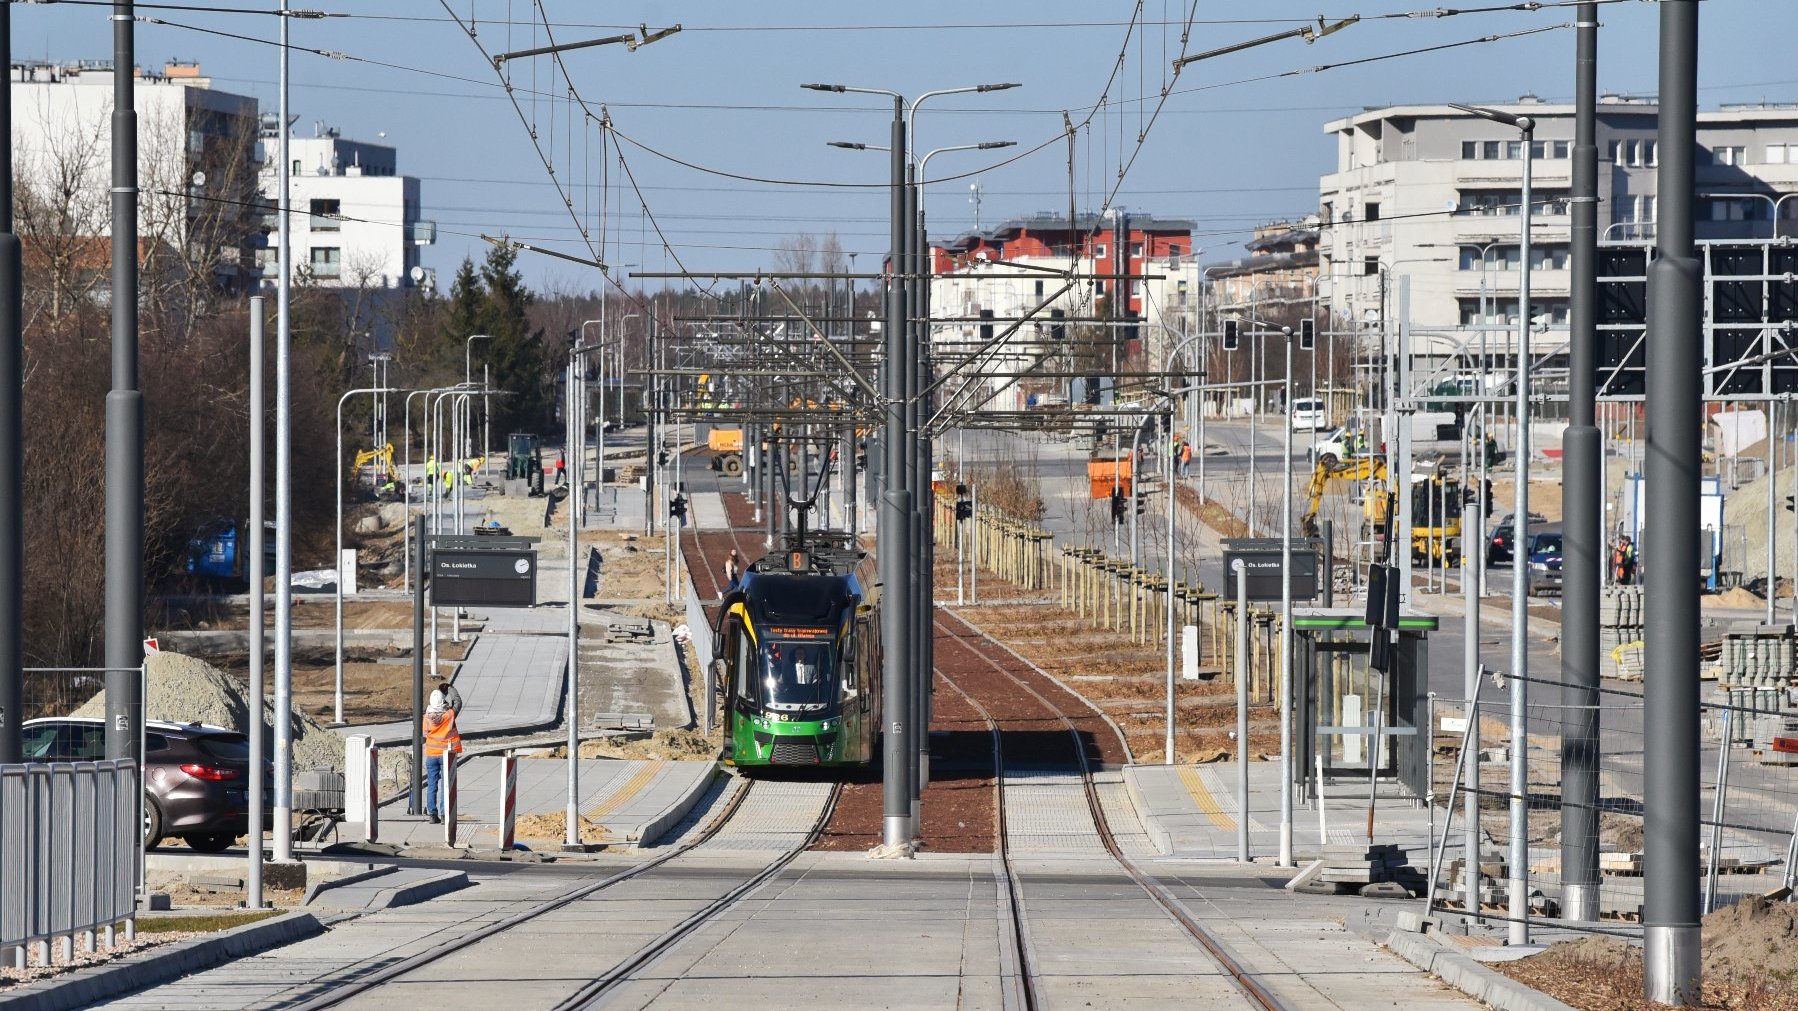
{"points": [[625, 793], [1201, 796]]}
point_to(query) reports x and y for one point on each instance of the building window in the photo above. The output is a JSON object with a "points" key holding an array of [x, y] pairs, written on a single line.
{"points": [[1727, 155], [1370, 265], [296, 167], [327, 261], [1489, 150], [1504, 310], [1039, 289], [1776, 154], [1135, 249], [1470, 150], [1505, 203], [1373, 210], [1099, 251], [1651, 153], [324, 215], [1734, 209]]}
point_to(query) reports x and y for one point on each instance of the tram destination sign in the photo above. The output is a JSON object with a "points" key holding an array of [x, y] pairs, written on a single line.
{"points": [[483, 577], [1262, 560]]}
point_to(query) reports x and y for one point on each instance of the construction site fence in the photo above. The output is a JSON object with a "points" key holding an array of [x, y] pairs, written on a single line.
{"points": [[1016, 551], [1748, 812]]}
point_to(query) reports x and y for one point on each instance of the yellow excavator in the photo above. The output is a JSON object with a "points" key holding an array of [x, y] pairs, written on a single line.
{"points": [[1436, 499], [383, 457]]}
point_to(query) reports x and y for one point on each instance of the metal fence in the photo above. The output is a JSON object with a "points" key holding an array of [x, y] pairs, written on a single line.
{"points": [[1748, 805], [70, 837]]}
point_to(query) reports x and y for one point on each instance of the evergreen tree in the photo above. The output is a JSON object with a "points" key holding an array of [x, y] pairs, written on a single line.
{"points": [[515, 353]]}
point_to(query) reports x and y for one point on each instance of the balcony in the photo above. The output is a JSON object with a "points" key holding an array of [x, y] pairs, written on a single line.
{"points": [[421, 233]]}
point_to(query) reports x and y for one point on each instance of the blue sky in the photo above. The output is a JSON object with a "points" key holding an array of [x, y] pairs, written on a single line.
{"points": [[1225, 151]]}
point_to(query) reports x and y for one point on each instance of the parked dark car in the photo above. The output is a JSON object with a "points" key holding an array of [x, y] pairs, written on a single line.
{"points": [[196, 777], [1545, 559], [1500, 547]]}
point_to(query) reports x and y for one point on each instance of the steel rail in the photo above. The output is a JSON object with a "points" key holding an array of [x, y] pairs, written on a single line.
{"points": [[1247, 982], [406, 966], [599, 989], [1020, 928]]}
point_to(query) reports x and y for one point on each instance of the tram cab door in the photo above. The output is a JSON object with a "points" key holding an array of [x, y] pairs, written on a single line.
{"points": [[736, 662]]}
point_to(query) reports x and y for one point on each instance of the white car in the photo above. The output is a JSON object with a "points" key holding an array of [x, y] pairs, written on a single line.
{"points": [[1309, 414]]}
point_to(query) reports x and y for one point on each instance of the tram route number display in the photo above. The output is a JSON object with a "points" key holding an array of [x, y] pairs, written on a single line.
{"points": [[1262, 562], [483, 578]]}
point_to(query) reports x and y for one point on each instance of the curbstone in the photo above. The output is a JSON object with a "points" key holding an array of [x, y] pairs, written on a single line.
{"points": [[656, 827], [419, 890], [1468, 976], [319, 887], [138, 971]]}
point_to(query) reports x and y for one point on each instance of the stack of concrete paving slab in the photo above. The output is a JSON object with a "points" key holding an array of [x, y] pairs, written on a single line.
{"points": [[1756, 655], [1620, 626], [1355, 866], [629, 630]]}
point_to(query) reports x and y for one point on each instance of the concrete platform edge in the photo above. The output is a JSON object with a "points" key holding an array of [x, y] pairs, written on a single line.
{"points": [[1146, 815], [317, 888], [1469, 976], [658, 826], [420, 890], [159, 965]]}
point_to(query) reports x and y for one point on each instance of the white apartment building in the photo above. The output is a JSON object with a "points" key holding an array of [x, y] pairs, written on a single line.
{"points": [[197, 165], [1009, 270], [355, 218], [1431, 193]]}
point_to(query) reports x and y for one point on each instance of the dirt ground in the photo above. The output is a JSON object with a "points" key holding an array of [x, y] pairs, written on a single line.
{"points": [[1750, 964], [1127, 681], [373, 692]]}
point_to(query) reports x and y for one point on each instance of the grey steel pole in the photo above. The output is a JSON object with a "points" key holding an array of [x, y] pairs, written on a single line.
{"points": [[1519, 857], [1772, 514], [1173, 507], [1584, 479], [918, 483], [893, 531], [1286, 686], [421, 565], [12, 427], [284, 482], [572, 390], [1472, 558], [253, 569], [1398, 525], [337, 679], [1242, 710], [1254, 410], [1672, 971], [124, 420]]}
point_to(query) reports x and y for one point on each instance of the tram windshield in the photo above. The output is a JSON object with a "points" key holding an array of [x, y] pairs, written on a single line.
{"points": [[797, 675]]}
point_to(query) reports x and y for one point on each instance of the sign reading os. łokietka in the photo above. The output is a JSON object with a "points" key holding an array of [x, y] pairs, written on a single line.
{"points": [[499, 572], [1262, 560]]}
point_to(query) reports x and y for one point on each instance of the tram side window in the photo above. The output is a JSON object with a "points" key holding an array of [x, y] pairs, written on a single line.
{"points": [[852, 663], [745, 665]]}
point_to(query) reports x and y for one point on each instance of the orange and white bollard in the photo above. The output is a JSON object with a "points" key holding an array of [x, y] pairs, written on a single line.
{"points": [[508, 801], [449, 799]]}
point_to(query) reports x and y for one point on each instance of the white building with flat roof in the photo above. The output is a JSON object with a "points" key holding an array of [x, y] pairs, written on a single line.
{"points": [[1432, 193], [355, 218], [197, 168]]}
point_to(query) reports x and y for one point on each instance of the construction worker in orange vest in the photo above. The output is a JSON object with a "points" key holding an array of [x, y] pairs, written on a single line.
{"points": [[443, 741]]}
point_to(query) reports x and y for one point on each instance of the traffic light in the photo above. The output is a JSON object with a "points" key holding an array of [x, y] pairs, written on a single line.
{"points": [[1307, 334], [1142, 501], [1789, 506], [1232, 334], [1117, 505], [964, 509]]}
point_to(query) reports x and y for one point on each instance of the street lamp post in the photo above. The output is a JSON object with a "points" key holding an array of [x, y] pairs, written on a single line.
{"points": [[1519, 842], [337, 681]]}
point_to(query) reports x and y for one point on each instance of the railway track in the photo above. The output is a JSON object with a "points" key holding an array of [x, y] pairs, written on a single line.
{"points": [[406, 971], [977, 644]]}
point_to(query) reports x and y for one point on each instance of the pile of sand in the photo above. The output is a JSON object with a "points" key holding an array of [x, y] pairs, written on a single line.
{"points": [[555, 827], [1736, 597], [184, 689], [1752, 937]]}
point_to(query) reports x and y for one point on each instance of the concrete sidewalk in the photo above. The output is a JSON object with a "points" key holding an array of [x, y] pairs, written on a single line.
{"points": [[1191, 812], [510, 683], [636, 801]]}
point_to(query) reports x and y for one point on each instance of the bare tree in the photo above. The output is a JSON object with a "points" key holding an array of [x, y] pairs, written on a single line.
{"points": [[61, 210]]}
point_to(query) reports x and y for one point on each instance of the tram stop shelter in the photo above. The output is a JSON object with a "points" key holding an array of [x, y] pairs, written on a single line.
{"points": [[1345, 703]]}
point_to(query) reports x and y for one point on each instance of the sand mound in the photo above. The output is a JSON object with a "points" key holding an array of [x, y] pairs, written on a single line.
{"points": [[1752, 936], [555, 827], [183, 689], [1734, 597]]}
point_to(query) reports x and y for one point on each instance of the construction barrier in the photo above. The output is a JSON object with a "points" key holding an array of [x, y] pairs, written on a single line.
{"points": [[508, 801], [449, 800]]}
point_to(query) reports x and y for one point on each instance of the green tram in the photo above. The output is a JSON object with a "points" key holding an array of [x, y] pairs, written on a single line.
{"points": [[798, 657]]}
